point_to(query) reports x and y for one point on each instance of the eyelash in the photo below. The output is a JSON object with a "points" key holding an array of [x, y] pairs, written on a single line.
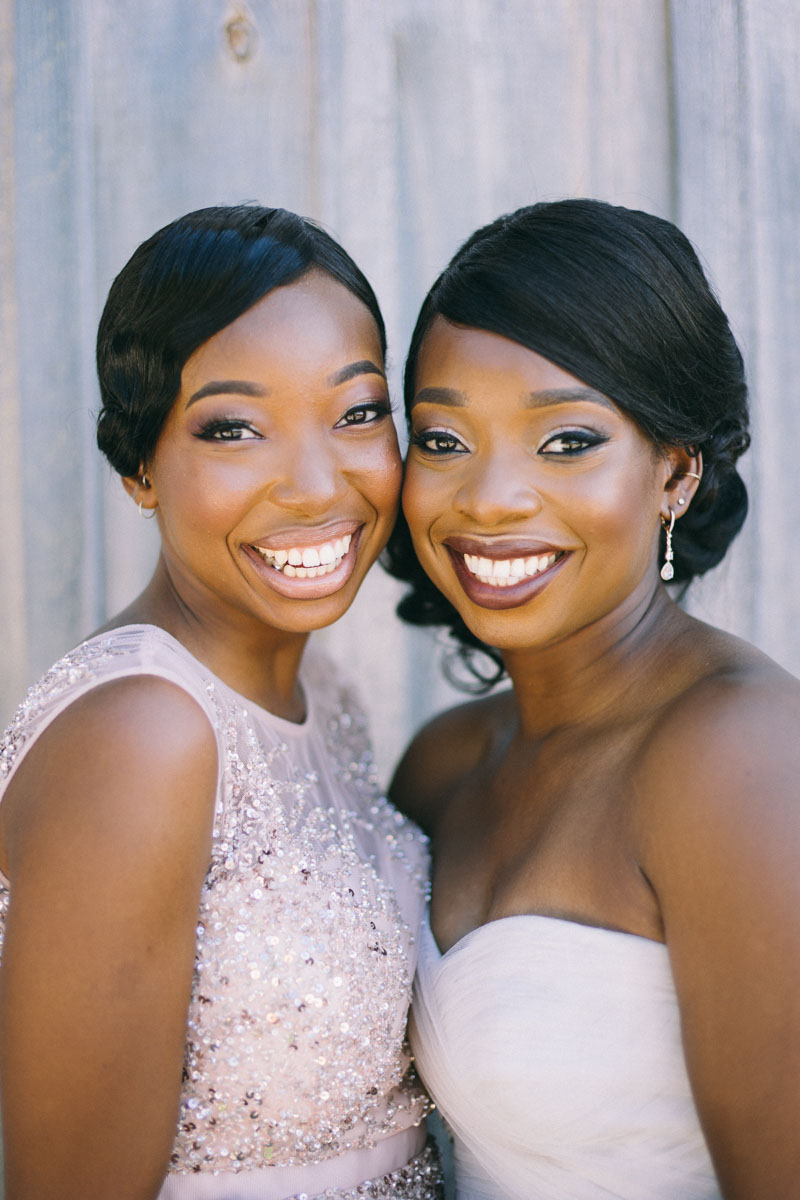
{"points": [[217, 428], [423, 439], [379, 409], [576, 442], [580, 440]]}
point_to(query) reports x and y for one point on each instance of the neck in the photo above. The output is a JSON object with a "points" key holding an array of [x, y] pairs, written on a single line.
{"points": [[601, 672], [256, 660]]}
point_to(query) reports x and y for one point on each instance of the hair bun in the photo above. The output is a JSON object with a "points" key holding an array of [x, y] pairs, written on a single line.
{"points": [[713, 520]]}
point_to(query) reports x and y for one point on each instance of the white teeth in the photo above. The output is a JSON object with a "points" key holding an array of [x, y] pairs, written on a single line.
{"points": [[505, 572], [307, 562]]}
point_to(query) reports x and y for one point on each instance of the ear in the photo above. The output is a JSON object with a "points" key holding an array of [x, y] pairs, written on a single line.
{"points": [[685, 470], [141, 490]]}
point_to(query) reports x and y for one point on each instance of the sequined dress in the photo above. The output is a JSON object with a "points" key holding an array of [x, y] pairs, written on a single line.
{"points": [[297, 1076]]}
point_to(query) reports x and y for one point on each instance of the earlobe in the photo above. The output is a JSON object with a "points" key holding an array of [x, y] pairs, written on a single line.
{"points": [[686, 465], [140, 489]]}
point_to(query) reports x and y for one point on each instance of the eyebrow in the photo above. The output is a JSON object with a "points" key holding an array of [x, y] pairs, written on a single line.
{"points": [[363, 367], [227, 387], [546, 398], [242, 387]]}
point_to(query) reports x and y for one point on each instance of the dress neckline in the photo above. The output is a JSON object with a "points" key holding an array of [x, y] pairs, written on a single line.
{"points": [[566, 923], [290, 728]]}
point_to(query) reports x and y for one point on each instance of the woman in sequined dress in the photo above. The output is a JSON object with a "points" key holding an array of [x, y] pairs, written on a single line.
{"points": [[606, 1001], [209, 914]]}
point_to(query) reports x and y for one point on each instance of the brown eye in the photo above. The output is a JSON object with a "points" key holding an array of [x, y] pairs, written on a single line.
{"points": [[364, 414], [228, 430], [571, 442], [437, 441]]}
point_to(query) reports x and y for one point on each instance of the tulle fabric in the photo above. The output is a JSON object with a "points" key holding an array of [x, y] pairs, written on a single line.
{"points": [[553, 1051]]}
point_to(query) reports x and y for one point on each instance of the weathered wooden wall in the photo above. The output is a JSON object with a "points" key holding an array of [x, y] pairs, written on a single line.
{"points": [[401, 125]]}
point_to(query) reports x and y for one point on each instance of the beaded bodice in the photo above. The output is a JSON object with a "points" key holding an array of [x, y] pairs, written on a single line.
{"points": [[306, 931]]}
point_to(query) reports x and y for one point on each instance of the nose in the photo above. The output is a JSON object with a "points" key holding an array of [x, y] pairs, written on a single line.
{"points": [[498, 488], [311, 479]]}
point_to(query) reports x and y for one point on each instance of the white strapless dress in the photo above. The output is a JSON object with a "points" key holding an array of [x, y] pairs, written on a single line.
{"points": [[553, 1051]]}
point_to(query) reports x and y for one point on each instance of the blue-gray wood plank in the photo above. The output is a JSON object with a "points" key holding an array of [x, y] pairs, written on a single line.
{"points": [[401, 125]]}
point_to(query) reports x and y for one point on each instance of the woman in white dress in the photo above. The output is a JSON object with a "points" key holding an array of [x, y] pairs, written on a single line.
{"points": [[209, 913], [608, 998]]}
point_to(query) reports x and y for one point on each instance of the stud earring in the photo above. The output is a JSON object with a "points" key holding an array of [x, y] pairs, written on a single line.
{"points": [[681, 501], [667, 571]]}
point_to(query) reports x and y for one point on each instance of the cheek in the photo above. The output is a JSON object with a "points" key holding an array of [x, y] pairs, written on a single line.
{"points": [[619, 525], [201, 496], [617, 502], [423, 498], [379, 476]]}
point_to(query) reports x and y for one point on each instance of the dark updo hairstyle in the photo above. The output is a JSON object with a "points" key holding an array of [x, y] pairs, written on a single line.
{"points": [[618, 298], [184, 284]]}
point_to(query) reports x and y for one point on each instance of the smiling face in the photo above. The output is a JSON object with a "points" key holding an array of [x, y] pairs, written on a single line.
{"points": [[532, 500], [277, 472]]}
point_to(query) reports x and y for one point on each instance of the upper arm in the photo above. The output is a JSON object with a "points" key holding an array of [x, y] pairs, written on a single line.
{"points": [[438, 757], [107, 827], [723, 855]]}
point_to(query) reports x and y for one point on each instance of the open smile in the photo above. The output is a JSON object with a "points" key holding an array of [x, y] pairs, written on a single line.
{"points": [[307, 562], [500, 576], [307, 568], [506, 572]]}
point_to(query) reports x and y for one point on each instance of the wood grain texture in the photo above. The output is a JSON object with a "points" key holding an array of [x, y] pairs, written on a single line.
{"points": [[401, 127], [13, 617], [53, 242], [737, 104]]}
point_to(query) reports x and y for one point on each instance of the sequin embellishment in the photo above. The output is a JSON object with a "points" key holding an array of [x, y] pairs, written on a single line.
{"points": [[421, 1179], [77, 667], [295, 1046]]}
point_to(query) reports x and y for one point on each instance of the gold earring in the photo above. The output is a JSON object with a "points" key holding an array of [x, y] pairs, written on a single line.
{"points": [[667, 571]]}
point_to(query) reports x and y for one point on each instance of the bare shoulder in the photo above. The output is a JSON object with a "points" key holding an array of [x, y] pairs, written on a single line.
{"points": [[720, 767], [444, 751], [132, 753], [107, 832], [718, 815]]}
